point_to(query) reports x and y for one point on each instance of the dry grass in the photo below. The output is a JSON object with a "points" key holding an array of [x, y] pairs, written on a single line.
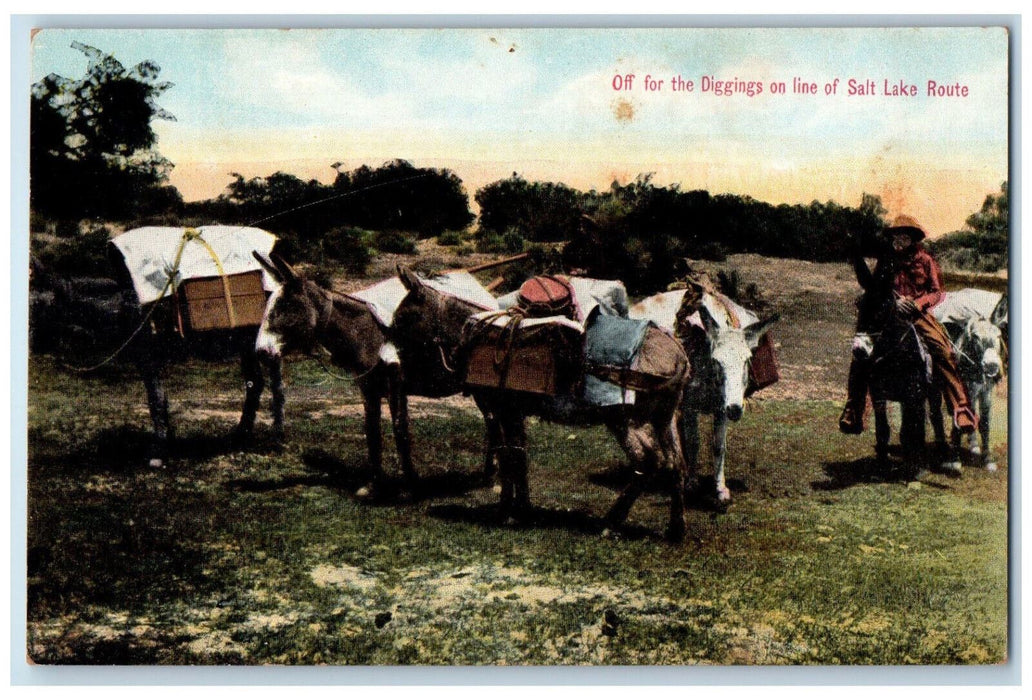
{"points": [[264, 556]]}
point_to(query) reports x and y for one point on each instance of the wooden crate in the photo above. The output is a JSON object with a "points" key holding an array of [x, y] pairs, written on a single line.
{"points": [[538, 363], [204, 301]]}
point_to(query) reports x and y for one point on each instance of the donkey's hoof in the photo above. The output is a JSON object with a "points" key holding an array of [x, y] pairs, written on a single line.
{"points": [[975, 451], [156, 463], [990, 466], [953, 469], [367, 492], [724, 496]]}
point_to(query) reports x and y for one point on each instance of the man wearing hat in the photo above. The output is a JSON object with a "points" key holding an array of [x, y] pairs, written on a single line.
{"points": [[914, 276]]}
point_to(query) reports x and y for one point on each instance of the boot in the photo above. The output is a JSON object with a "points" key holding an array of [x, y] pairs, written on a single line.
{"points": [[851, 422]]}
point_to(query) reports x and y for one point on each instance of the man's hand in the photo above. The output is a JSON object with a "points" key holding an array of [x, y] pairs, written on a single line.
{"points": [[906, 308]]}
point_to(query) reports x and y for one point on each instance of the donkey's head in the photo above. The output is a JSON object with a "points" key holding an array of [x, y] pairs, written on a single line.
{"points": [[875, 313], [292, 312], [427, 327], [730, 351], [981, 345]]}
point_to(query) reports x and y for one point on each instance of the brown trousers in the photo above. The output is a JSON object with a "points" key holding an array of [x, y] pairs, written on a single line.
{"points": [[944, 361], [944, 368]]}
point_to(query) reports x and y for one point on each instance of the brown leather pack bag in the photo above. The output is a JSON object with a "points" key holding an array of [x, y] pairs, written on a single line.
{"points": [[547, 295]]}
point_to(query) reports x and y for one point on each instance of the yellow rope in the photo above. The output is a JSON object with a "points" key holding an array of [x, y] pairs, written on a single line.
{"points": [[146, 317], [192, 234]]}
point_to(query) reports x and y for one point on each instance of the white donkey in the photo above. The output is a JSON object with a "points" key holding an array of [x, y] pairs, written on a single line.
{"points": [[976, 320], [719, 351]]}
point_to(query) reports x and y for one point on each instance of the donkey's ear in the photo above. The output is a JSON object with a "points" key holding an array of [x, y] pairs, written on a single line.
{"points": [[708, 322], [409, 278], [755, 331], [288, 273], [268, 266], [1000, 314]]}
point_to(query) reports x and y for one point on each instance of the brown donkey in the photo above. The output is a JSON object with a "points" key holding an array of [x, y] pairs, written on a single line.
{"points": [[303, 316], [428, 325]]}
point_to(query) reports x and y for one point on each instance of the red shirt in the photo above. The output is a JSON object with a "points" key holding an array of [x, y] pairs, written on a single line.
{"points": [[918, 278]]}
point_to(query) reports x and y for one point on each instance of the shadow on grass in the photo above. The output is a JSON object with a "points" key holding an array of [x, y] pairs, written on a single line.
{"points": [[324, 469], [125, 449], [700, 496], [877, 470], [122, 551], [351, 474], [540, 518]]}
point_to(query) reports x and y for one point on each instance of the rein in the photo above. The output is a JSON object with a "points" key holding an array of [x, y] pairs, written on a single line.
{"points": [[322, 325], [883, 352], [188, 235], [965, 360], [478, 329]]}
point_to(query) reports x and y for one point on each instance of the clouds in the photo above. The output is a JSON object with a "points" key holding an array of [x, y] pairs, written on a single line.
{"points": [[513, 97]]}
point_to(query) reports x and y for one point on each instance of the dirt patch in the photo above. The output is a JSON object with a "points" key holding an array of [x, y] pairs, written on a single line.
{"points": [[344, 576]]}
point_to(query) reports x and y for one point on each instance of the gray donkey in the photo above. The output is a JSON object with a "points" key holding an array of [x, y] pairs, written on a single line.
{"points": [[428, 331], [720, 354], [977, 323], [302, 316]]}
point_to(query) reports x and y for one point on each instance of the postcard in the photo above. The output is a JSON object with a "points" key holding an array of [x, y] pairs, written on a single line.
{"points": [[564, 347]]}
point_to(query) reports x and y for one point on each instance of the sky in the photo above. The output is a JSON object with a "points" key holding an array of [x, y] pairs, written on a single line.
{"points": [[556, 104]]}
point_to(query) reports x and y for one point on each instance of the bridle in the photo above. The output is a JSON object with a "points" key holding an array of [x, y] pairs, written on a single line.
{"points": [[963, 358]]}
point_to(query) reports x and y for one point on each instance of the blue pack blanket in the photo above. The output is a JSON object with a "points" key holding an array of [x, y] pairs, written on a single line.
{"points": [[611, 341]]}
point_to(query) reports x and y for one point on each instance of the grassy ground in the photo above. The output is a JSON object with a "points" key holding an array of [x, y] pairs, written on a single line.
{"points": [[263, 556]]}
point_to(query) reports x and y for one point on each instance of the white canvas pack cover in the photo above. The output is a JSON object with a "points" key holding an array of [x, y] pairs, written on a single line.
{"points": [[150, 254], [663, 308], [383, 298], [961, 306]]}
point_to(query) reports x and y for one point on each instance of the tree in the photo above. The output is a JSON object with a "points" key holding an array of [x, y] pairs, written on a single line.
{"points": [[539, 211], [985, 245], [92, 147], [992, 220], [399, 196]]}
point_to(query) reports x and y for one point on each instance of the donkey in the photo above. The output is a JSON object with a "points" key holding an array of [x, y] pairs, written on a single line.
{"points": [[76, 314], [980, 351], [900, 370], [719, 353], [302, 316], [428, 330]]}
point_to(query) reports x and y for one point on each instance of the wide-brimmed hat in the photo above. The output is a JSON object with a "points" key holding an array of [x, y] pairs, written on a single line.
{"points": [[906, 224]]}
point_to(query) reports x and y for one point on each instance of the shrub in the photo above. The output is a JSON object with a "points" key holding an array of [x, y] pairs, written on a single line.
{"points": [[711, 250], [488, 242], [394, 242], [85, 255], [513, 241], [450, 238], [350, 246], [67, 228]]}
